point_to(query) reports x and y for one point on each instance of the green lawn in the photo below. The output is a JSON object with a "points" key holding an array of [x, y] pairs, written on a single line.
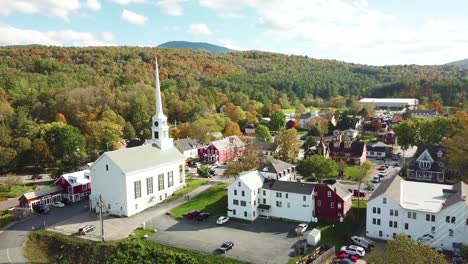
{"points": [[141, 232], [192, 184], [288, 110], [350, 172], [213, 201], [5, 218], [18, 190]]}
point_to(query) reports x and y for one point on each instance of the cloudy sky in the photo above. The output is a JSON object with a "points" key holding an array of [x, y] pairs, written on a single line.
{"points": [[362, 31]]}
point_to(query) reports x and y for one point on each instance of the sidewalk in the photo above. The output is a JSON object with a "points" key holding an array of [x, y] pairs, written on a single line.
{"points": [[118, 228]]}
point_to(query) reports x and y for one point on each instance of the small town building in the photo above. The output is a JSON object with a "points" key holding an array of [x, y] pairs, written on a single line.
{"points": [[332, 200], [278, 170], [388, 138], [378, 150], [436, 214], [429, 165], [305, 118], [45, 196], [426, 114], [76, 186], [348, 134], [130, 180], [392, 103], [267, 148], [189, 147], [222, 151], [321, 149], [249, 130], [351, 152]]}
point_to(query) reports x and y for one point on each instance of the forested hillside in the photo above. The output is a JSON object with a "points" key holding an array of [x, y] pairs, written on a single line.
{"points": [[194, 46], [66, 105]]}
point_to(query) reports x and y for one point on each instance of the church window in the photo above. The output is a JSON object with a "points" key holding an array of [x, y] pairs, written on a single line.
{"points": [[170, 179], [149, 185], [156, 123], [107, 167], [156, 135], [137, 188], [161, 181], [181, 171]]}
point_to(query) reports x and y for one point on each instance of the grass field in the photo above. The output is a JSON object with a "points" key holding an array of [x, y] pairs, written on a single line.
{"points": [[213, 201], [192, 184], [351, 172], [5, 218], [18, 190]]}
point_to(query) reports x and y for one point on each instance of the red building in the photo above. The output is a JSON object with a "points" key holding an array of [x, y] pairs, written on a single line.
{"points": [[44, 196], [351, 152], [332, 201], [222, 151], [76, 185], [388, 138]]}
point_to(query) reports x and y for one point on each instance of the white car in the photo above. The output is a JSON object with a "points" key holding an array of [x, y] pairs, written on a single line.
{"points": [[363, 242], [383, 173], [222, 220], [353, 250], [301, 228], [58, 204]]}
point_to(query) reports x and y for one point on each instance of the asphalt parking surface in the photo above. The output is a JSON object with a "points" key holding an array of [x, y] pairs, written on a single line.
{"points": [[263, 241]]}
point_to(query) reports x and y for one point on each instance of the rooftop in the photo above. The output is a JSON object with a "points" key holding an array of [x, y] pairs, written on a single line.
{"points": [[79, 177], [388, 100], [252, 179], [290, 187]]}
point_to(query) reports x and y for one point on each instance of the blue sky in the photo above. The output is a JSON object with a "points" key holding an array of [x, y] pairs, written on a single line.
{"points": [[362, 31]]}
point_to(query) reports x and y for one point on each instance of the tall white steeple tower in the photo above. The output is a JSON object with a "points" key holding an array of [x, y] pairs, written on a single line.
{"points": [[159, 128]]}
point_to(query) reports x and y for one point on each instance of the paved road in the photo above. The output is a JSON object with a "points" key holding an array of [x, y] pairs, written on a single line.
{"points": [[12, 240]]}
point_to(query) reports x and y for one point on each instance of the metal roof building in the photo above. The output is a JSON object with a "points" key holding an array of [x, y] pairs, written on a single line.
{"points": [[390, 102]]}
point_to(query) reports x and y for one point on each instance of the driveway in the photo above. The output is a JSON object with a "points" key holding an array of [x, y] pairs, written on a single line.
{"points": [[12, 239], [263, 241]]}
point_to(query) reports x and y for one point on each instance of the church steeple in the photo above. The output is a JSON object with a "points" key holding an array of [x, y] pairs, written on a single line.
{"points": [[159, 128]]}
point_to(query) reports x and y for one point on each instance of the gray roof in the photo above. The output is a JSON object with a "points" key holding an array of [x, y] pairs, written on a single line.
{"points": [[306, 115], [228, 142], [423, 112], [264, 145], [276, 166], [340, 190], [287, 186], [185, 144], [43, 192], [143, 157], [391, 186]]}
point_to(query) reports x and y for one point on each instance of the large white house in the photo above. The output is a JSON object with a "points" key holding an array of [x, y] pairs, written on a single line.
{"points": [[130, 180], [436, 214], [251, 196]]}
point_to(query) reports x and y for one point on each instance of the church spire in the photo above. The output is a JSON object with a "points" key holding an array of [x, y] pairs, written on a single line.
{"points": [[160, 128]]}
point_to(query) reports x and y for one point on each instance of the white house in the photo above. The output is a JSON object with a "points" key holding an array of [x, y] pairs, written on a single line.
{"points": [[278, 170], [189, 147], [130, 180], [348, 134], [436, 214], [305, 118], [251, 196], [425, 114], [377, 150]]}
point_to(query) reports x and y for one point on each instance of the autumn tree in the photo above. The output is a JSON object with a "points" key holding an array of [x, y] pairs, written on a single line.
{"points": [[59, 117], [263, 133], [277, 120], [40, 152], [300, 109], [232, 129], [249, 160], [287, 145], [317, 168], [102, 136], [457, 152]]}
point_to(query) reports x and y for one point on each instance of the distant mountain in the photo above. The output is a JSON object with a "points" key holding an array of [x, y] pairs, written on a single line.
{"points": [[461, 63], [195, 46]]}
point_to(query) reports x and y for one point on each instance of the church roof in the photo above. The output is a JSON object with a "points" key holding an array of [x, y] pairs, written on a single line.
{"points": [[143, 157]]}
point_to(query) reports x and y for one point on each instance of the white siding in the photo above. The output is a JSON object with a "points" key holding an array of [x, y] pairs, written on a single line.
{"points": [[298, 209], [250, 199]]}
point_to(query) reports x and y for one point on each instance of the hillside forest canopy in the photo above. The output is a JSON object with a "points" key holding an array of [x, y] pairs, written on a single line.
{"points": [[64, 106]]}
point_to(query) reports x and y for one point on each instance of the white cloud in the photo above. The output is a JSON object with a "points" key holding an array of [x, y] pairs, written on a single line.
{"points": [[126, 2], [199, 29], [54, 8], [228, 43], [351, 30], [17, 36], [170, 7], [94, 5], [107, 36], [133, 18], [165, 28]]}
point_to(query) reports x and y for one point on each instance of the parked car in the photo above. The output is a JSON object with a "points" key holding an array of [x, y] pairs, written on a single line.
{"points": [[343, 261], [226, 246], [192, 214], [36, 177], [343, 255], [375, 179], [41, 208], [58, 204], [353, 250], [222, 220], [357, 193], [382, 168], [86, 229], [301, 228], [426, 238], [202, 216], [363, 242], [382, 173], [396, 164]]}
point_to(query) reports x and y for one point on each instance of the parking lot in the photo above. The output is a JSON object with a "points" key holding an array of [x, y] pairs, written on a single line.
{"points": [[263, 241]]}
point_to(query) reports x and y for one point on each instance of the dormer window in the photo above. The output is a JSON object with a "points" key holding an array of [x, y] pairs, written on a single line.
{"points": [[424, 164], [439, 154]]}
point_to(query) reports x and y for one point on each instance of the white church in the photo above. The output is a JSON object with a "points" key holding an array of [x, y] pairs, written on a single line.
{"points": [[133, 179]]}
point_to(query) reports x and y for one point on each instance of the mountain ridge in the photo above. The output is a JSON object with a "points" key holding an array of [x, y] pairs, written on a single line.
{"points": [[188, 45], [460, 63]]}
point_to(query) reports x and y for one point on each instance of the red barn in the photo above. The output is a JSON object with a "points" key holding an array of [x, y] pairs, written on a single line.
{"points": [[332, 201], [76, 185], [222, 151]]}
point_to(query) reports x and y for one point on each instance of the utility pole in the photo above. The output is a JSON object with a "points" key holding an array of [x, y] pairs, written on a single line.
{"points": [[101, 219]]}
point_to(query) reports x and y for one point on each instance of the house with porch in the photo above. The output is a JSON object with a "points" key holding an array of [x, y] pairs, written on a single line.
{"points": [[44, 196], [321, 149], [351, 152], [429, 165], [222, 151], [76, 186]]}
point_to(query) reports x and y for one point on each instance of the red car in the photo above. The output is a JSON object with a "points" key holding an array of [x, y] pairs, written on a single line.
{"points": [[358, 193], [192, 214], [343, 255]]}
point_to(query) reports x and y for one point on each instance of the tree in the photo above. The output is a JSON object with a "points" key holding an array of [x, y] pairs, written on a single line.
{"points": [[457, 152], [403, 249], [263, 133], [10, 181], [232, 129], [249, 160], [300, 109], [361, 176], [277, 120], [59, 117], [406, 134], [40, 152], [102, 136], [317, 168], [309, 142], [7, 156], [129, 131], [287, 145]]}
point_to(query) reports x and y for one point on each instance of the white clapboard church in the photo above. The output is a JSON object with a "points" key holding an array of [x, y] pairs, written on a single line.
{"points": [[130, 180]]}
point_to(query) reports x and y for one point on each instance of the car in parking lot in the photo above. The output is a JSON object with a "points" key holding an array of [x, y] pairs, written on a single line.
{"points": [[226, 246], [301, 228], [357, 193], [382, 168], [375, 179], [86, 229], [202, 216], [353, 250], [58, 204], [222, 220], [192, 214], [363, 242], [382, 173], [41, 208], [396, 164], [343, 255]]}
